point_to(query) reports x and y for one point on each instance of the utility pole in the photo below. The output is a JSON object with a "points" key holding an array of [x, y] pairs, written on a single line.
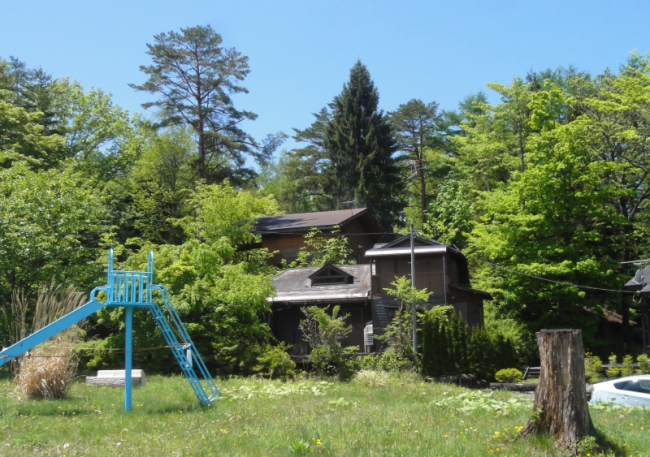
{"points": [[415, 318]]}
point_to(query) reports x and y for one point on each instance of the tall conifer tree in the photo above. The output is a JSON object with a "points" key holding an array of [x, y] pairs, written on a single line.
{"points": [[360, 145]]}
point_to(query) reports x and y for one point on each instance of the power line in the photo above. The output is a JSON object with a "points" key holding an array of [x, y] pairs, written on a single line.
{"points": [[564, 283]]}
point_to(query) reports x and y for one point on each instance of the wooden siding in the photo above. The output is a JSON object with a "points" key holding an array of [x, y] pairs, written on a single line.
{"points": [[428, 273], [286, 319], [289, 245]]}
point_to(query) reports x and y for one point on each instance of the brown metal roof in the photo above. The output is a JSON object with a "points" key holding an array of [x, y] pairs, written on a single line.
{"points": [[610, 316], [401, 247], [305, 221], [294, 285], [482, 293]]}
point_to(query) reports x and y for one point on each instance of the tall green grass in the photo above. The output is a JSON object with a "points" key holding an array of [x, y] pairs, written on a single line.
{"points": [[263, 418]]}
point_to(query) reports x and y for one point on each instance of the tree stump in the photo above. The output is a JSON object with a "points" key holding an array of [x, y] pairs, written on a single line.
{"points": [[560, 407]]}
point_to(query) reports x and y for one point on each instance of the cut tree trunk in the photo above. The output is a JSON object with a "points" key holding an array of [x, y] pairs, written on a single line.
{"points": [[560, 406]]}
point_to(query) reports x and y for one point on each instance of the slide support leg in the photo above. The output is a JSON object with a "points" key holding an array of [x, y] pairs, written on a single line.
{"points": [[128, 359]]}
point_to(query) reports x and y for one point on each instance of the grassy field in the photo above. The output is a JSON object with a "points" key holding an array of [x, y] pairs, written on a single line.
{"points": [[405, 417]]}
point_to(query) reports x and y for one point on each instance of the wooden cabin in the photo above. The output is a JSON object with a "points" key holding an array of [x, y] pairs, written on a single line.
{"points": [[347, 286], [359, 289], [285, 234], [439, 268]]}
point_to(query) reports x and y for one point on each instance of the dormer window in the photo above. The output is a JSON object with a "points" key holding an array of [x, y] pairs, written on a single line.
{"points": [[330, 275]]}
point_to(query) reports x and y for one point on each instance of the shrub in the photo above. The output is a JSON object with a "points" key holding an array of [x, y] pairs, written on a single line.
{"points": [[450, 348], [593, 365], [628, 368], [369, 378], [275, 362], [509, 375], [613, 371], [644, 364], [392, 360], [324, 333]]}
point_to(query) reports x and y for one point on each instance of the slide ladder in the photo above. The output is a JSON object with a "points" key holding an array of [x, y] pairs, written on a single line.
{"points": [[181, 345], [133, 289]]}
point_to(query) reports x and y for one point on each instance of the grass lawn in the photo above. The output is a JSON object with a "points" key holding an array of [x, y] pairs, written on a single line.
{"points": [[261, 418]]}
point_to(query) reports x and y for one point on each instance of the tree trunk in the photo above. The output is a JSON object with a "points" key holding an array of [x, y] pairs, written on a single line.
{"points": [[423, 191], [560, 406]]}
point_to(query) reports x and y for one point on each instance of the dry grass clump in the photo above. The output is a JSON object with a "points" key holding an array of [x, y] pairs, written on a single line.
{"points": [[369, 378], [48, 371]]}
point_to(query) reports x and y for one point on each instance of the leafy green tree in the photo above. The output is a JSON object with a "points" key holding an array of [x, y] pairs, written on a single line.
{"points": [[51, 229], [494, 144], [415, 127], [23, 138], [547, 222], [451, 215], [319, 250], [324, 334], [31, 89], [219, 289], [164, 181], [295, 181], [93, 124], [93, 127], [195, 79], [399, 333], [360, 145], [223, 212]]}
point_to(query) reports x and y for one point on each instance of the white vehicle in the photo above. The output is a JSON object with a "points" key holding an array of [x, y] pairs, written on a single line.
{"points": [[631, 390]]}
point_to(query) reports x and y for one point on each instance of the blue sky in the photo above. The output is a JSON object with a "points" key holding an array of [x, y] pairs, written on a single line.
{"points": [[301, 51]]}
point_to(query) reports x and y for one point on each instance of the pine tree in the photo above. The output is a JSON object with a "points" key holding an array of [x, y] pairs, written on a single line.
{"points": [[360, 145], [194, 79]]}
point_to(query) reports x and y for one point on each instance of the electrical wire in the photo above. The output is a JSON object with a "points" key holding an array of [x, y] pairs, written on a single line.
{"points": [[563, 283]]}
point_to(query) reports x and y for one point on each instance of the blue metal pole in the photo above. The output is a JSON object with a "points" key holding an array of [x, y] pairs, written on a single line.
{"points": [[128, 359]]}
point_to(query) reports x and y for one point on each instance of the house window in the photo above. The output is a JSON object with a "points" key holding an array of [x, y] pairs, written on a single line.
{"points": [[329, 280], [331, 275]]}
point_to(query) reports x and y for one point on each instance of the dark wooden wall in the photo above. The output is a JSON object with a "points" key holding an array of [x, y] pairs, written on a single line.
{"points": [[428, 273], [286, 319], [289, 245]]}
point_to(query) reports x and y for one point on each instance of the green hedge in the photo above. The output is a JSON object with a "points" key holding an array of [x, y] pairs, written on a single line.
{"points": [[450, 347]]}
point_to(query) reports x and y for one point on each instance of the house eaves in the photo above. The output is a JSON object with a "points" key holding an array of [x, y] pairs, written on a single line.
{"points": [[389, 252]]}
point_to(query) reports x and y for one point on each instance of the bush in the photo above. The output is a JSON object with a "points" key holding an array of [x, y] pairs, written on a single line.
{"points": [[392, 360], [449, 347], [509, 375], [628, 366], [613, 371], [324, 333], [275, 362], [369, 378], [593, 365], [644, 364]]}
